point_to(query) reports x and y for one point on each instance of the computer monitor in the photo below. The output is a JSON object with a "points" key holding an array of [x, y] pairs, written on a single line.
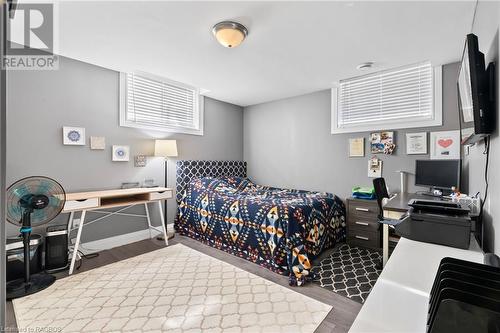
{"points": [[439, 174]]}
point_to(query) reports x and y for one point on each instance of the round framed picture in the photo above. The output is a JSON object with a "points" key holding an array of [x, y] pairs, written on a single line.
{"points": [[121, 153]]}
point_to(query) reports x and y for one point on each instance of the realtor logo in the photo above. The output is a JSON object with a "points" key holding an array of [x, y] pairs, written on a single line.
{"points": [[30, 44]]}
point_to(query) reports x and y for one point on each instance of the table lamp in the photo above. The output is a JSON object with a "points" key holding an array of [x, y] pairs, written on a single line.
{"points": [[165, 149]]}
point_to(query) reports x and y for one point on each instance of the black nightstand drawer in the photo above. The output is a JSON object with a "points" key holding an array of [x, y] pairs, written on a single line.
{"points": [[363, 224], [364, 239], [363, 208]]}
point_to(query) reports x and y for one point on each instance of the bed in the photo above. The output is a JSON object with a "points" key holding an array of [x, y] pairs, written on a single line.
{"points": [[280, 229]]}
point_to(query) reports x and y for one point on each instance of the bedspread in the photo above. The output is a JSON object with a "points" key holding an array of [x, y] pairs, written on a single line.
{"points": [[280, 229]]}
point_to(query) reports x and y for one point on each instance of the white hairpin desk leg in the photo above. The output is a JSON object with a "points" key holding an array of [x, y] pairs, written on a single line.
{"points": [[77, 242], [163, 222], [385, 243], [70, 224], [149, 220]]}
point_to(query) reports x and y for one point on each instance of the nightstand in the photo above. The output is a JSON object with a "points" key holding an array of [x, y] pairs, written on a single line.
{"points": [[362, 223]]}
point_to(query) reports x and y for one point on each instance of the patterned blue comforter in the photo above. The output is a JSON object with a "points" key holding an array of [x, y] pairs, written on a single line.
{"points": [[280, 229]]}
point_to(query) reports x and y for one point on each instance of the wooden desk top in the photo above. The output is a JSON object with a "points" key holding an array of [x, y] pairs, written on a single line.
{"points": [[114, 193]]}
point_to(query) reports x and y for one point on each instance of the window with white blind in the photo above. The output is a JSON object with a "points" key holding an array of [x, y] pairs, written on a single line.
{"points": [[156, 103], [404, 97]]}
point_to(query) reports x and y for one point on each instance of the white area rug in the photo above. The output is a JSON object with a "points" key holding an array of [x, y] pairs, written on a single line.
{"points": [[175, 289]]}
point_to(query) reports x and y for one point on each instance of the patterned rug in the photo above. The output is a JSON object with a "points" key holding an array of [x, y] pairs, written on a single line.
{"points": [[172, 289], [349, 271]]}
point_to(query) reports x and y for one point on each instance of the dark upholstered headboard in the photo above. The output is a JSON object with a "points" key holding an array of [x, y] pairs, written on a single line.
{"points": [[188, 170]]}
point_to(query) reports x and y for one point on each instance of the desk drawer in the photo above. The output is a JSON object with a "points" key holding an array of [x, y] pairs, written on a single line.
{"points": [[364, 239], [81, 204], [160, 195]]}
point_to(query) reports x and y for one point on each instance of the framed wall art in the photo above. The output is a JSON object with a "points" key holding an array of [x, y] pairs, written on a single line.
{"points": [[357, 147], [140, 161], [97, 142], [445, 145], [416, 143], [374, 167], [121, 153], [74, 136], [382, 143]]}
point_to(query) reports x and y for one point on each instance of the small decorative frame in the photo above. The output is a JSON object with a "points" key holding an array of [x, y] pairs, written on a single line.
{"points": [[445, 145], [416, 143], [74, 136], [140, 161], [97, 142], [121, 153], [357, 147], [374, 167], [382, 142]]}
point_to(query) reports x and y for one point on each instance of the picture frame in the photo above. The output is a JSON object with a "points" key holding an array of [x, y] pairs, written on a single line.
{"points": [[356, 147], [382, 142], [120, 153], [73, 136], [445, 145], [374, 168], [140, 161], [97, 142], [416, 143]]}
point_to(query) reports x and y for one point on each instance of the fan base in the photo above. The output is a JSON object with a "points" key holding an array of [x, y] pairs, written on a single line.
{"points": [[18, 288]]}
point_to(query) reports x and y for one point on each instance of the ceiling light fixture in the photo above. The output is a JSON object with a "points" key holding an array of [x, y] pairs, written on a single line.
{"points": [[229, 33], [365, 65]]}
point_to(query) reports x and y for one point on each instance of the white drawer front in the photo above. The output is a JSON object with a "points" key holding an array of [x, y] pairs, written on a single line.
{"points": [[160, 195], [83, 204]]}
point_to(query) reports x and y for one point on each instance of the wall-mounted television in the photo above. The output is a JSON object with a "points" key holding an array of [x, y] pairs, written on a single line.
{"points": [[475, 93]]}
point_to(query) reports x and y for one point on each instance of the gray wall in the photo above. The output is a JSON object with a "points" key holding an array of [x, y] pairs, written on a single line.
{"points": [[2, 165], [486, 27], [287, 143], [40, 103]]}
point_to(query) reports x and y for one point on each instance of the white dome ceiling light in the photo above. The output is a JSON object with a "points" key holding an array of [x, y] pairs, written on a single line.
{"points": [[365, 65], [229, 33]]}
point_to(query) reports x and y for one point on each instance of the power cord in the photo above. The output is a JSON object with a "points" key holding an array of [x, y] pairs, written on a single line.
{"points": [[85, 256], [486, 152]]}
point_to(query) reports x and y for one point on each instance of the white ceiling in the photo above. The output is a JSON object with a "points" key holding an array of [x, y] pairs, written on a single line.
{"points": [[293, 47]]}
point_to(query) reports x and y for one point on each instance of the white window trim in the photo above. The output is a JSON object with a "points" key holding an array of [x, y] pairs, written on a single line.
{"points": [[123, 108], [437, 120]]}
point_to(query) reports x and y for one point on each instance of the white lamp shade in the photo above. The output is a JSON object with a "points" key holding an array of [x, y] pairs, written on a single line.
{"points": [[166, 148]]}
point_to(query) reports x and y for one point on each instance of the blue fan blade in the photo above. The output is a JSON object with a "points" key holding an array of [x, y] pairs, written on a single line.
{"points": [[43, 188], [21, 191], [54, 201]]}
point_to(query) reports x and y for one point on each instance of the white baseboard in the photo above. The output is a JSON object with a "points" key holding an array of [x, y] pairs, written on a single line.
{"points": [[115, 241]]}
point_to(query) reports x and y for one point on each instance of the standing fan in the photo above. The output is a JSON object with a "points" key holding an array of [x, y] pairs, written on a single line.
{"points": [[31, 202]]}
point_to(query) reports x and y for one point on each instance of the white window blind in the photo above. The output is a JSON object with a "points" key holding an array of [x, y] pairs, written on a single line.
{"points": [[400, 96], [156, 103]]}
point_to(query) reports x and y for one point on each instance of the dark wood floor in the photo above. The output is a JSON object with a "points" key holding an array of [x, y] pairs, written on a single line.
{"points": [[339, 319]]}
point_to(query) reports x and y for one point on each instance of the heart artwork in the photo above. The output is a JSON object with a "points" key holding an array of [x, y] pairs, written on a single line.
{"points": [[445, 143]]}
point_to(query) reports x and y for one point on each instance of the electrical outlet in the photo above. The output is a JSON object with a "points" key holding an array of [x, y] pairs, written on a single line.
{"points": [[76, 223]]}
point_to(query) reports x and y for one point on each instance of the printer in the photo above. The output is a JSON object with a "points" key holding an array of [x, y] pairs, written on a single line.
{"points": [[436, 221]]}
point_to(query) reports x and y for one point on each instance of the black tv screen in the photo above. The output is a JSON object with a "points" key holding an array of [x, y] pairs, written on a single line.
{"points": [[473, 97]]}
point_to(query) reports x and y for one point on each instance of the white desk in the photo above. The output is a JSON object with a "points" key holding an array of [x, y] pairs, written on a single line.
{"points": [[399, 300], [96, 201]]}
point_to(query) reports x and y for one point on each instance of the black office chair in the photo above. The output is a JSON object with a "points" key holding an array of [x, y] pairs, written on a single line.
{"points": [[380, 193]]}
